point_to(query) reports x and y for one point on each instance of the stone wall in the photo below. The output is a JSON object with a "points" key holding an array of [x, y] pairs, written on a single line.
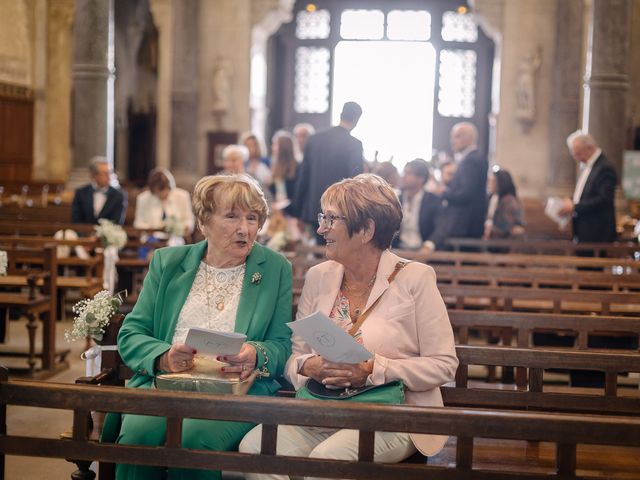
{"points": [[16, 42]]}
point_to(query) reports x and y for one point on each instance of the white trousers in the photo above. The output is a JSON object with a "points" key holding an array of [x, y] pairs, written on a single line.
{"points": [[329, 443]]}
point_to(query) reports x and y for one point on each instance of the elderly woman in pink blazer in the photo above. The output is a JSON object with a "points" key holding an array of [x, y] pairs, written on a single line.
{"points": [[408, 329]]}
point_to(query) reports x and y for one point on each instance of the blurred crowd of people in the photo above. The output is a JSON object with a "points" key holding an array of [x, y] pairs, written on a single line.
{"points": [[448, 196]]}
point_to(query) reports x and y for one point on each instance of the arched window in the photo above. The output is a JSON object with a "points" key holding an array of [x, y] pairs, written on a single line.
{"points": [[416, 67]]}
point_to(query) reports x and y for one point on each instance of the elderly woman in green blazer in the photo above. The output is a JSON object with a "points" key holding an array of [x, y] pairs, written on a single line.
{"points": [[226, 282]]}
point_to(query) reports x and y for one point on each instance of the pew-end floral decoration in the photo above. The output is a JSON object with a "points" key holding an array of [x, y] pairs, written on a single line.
{"points": [[110, 234], [92, 315], [4, 262]]}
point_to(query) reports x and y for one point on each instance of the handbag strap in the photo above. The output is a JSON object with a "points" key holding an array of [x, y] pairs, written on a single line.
{"points": [[356, 326]]}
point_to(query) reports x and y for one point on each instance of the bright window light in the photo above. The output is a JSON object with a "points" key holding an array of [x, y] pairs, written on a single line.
{"points": [[393, 82], [408, 25], [362, 24]]}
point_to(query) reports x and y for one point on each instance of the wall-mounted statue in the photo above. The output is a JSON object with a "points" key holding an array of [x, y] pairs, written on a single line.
{"points": [[221, 88], [526, 80]]}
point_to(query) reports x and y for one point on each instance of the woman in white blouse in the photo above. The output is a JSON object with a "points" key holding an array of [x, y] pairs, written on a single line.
{"points": [[163, 205]]}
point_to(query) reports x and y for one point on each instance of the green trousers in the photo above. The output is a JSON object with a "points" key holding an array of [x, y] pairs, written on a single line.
{"points": [[215, 435]]}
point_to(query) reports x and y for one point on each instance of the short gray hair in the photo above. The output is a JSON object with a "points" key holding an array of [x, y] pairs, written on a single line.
{"points": [[95, 161], [304, 126], [583, 138], [240, 149]]}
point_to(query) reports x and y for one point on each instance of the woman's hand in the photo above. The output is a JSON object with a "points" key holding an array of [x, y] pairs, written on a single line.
{"points": [[243, 363], [177, 359], [336, 374]]}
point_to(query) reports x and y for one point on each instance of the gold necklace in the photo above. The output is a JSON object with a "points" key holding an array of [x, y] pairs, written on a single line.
{"points": [[219, 289], [351, 289], [361, 294]]}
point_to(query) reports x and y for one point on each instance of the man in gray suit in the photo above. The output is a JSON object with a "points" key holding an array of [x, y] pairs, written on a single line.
{"points": [[329, 156]]}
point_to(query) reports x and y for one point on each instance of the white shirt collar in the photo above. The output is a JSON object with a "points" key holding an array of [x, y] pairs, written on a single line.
{"points": [[592, 159]]}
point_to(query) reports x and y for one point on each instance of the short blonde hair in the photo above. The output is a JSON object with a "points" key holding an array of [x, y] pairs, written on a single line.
{"points": [[363, 198], [216, 191]]}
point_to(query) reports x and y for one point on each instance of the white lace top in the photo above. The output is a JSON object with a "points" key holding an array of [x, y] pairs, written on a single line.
{"points": [[213, 300]]}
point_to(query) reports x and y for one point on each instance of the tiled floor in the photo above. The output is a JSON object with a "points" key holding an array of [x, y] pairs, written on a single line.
{"points": [[44, 422]]}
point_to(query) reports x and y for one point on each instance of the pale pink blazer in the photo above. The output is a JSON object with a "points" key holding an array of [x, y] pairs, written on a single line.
{"points": [[408, 331]]}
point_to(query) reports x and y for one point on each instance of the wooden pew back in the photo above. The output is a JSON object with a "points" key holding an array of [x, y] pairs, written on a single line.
{"points": [[565, 431], [524, 324]]}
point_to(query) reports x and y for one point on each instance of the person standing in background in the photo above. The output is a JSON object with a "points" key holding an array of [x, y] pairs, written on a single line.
{"points": [[329, 156], [257, 165], [302, 132], [504, 214], [464, 199], [592, 207], [420, 209]]}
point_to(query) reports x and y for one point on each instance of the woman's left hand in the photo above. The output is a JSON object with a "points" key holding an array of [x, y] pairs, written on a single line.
{"points": [[243, 363], [359, 373]]}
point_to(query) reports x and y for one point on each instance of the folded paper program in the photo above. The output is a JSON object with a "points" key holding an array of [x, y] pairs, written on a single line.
{"points": [[552, 210]]}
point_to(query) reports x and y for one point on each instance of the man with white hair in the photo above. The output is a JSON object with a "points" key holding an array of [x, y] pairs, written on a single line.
{"points": [[592, 206], [302, 132], [233, 159]]}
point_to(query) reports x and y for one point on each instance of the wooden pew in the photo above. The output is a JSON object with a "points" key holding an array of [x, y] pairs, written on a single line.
{"points": [[36, 271], [545, 247], [82, 275], [524, 324], [571, 435], [315, 254], [536, 278], [540, 299], [529, 262], [532, 395]]}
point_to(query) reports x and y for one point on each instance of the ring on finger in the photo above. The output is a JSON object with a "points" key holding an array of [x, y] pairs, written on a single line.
{"points": [[184, 363], [244, 368]]}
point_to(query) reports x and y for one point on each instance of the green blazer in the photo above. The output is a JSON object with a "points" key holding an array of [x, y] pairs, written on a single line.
{"points": [[263, 310]]}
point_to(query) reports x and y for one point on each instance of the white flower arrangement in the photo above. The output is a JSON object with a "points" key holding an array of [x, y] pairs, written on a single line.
{"points": [[278, 241], [93, 315], [110, 234], [4, 262], [173, 226]]}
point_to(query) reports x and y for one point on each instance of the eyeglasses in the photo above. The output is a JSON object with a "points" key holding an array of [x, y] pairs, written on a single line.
{"points": [[326, 221]]}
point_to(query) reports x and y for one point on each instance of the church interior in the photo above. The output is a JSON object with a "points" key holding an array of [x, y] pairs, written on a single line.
{"points": [[156, 95]]}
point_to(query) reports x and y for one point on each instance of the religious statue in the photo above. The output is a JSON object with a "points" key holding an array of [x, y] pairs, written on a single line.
{"points": [[221, 87], [526, 87]]}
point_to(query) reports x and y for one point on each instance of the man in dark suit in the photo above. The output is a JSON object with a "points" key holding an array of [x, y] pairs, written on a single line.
{"points": [[464, 199], [98, 199], [329, 156], [420, 209], [592, 206], [593, 217]]}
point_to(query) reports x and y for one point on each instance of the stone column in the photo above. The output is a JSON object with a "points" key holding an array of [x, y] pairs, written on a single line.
{"points": [[163, 20], [606, 78], [93, 80], [564, 116], [58, 92], [184, 93]]}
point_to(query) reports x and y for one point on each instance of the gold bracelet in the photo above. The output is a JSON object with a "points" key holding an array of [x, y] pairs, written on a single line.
{"points": [[262, 371]]}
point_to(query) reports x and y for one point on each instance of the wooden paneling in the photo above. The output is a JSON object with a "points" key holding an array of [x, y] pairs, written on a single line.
{"points": [[16, 134]]}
